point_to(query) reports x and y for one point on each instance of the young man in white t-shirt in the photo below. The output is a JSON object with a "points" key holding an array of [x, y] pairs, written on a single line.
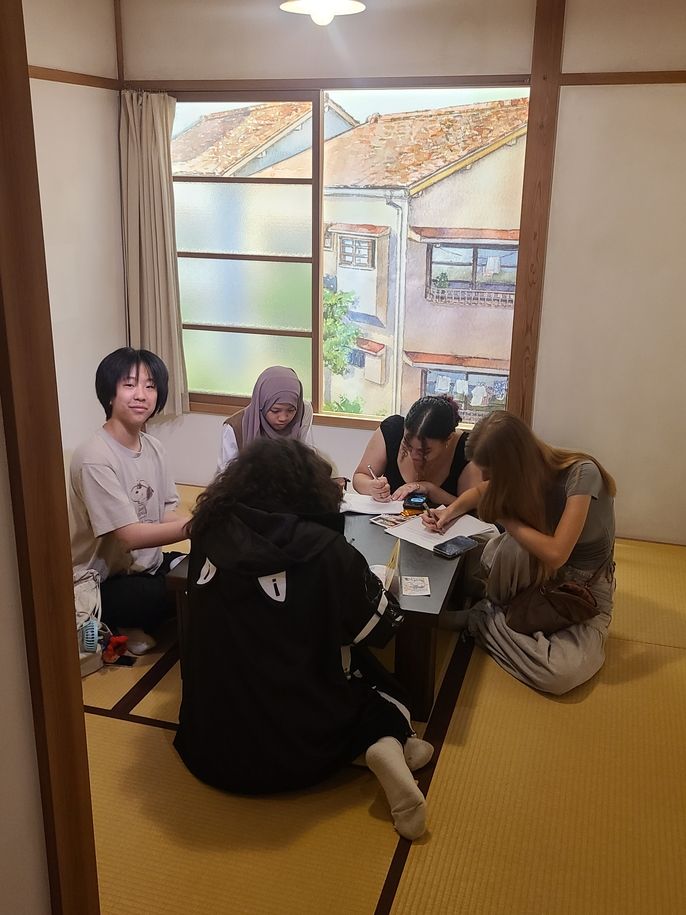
{"points": [[123, 499]]}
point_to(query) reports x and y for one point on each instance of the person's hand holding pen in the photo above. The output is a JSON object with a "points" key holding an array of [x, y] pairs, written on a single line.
{"points": [[437, 519], [379, 489]]}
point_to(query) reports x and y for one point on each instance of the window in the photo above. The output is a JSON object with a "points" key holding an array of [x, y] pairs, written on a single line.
{"points": [[472, 268], [476, 393], [356, 252], [397, 233], [244, 245]]}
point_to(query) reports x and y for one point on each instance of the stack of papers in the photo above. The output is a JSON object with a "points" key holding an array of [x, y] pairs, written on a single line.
{"points": [[414, 531], [366, 505]]}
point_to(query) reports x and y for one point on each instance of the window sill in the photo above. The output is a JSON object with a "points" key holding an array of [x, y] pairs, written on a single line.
{"points": [[219, 405], [347, 421], [224, 406]]}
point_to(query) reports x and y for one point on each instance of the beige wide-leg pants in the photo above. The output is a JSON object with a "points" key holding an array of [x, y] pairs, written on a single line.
{"points": [[553, 664]]}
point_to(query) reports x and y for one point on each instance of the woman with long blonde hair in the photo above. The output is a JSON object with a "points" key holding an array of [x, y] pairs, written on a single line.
{"points": [[557, 510]]}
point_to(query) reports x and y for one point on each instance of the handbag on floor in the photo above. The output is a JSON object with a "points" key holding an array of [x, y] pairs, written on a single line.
{"points": [[552, 606], [88, 608]]}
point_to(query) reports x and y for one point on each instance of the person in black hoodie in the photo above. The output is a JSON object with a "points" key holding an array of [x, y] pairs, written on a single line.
{"points": [[279, 688]]}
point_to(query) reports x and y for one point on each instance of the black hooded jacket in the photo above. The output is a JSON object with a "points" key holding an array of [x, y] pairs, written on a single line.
{"points": [[274, 599]]}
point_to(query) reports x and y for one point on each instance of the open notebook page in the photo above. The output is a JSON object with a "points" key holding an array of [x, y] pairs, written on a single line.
{"points": [[366, 505], [415, 532]]}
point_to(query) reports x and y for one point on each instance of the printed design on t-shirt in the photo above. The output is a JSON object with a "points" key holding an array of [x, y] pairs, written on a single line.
{"points": [[141, 494]]}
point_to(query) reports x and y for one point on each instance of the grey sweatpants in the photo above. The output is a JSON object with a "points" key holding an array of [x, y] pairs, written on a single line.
{"points": [[556, 663]]}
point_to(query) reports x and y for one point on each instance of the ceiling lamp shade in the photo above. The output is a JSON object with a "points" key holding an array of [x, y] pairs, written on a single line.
{"points": [[322, 11]]}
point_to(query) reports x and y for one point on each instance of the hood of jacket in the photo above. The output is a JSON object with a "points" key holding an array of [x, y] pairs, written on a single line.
{"points": [[255, 542]]}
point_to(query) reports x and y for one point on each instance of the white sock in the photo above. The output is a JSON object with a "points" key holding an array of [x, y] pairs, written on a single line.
{"points": [[408, 808], [138, 641], [417, 753]]}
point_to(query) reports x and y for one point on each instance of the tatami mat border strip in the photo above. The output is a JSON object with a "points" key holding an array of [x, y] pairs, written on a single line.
{"points": [[126, 716], [140, 690], [624, 638], [435, 733]]}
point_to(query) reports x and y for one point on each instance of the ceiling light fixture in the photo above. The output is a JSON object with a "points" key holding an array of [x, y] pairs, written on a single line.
{"points": [[322, 12]]}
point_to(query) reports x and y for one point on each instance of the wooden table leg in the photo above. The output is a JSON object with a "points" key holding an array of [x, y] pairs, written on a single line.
{"points": [[415, 666]]}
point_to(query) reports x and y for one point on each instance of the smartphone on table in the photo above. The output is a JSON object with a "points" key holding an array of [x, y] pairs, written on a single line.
{"points": [[415, 502], [451, 549]]}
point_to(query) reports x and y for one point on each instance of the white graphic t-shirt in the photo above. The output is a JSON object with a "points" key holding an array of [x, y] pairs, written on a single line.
{"points": [[110, 487]]}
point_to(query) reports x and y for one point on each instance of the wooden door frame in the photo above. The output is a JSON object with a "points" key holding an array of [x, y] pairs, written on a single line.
{"points": [[28, 392]]}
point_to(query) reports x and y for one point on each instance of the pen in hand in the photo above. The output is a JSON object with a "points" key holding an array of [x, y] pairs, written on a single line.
{"points": [[385, 488], [430, 519]]}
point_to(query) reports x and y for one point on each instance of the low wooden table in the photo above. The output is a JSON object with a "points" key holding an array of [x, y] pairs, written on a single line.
{"points": [[415, 641]]}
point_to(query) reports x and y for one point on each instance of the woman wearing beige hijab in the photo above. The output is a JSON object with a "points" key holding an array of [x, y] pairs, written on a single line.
{"points": [[276, 410]]}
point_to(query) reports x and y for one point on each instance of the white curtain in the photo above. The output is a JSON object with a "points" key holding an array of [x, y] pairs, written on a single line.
{"points": [[152, 284]]}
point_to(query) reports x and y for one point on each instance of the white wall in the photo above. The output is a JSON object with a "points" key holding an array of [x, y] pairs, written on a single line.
{"points": [[621, 35], [254, 39], [23, 866], [75, 35], [192, 444], [76, 129], [613, 336]]}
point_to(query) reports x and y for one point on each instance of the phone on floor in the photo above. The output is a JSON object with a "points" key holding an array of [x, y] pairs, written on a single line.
{"points": [[451, 549]]}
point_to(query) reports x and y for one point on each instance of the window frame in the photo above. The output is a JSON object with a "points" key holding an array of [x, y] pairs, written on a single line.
{"points": [[527, 304], [473, 285], [223, 403], [356, 240]]}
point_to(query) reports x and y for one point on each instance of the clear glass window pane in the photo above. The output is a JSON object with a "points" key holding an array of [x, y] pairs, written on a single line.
{"points": [[476, 393], [496, 268], [243, 139], [423, 252], [451, 266], [218, 362], [243, 218], [246, 293]]}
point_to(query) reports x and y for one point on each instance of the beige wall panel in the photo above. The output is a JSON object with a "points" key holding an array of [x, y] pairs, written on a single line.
{"points": [[23, 866], [75, 35], [76, 131], [216, 39], [610, 374], [624, 35]]}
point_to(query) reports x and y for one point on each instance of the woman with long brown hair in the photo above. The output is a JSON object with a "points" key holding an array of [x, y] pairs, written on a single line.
{"points": [[557, 511]]}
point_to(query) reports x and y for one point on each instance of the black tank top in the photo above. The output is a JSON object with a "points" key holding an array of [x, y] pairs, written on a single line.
{"points": [[393, 430]]}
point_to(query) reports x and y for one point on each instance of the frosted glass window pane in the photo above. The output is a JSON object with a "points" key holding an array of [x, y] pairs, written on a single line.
{"points": [[225, 363], [246, 293], [242, 139], [243, 218]]}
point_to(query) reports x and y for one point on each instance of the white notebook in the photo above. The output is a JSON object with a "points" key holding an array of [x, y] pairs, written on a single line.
{"points": [[415, 532], [366, 505]]}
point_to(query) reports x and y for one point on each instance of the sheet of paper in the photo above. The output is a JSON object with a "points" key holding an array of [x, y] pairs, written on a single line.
{"points": [[388, 520], [416, 585], [365, 505], [415, 532]]}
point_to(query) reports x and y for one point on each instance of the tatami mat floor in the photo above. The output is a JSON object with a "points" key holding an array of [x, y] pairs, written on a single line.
{"points": [[537, 805]]}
